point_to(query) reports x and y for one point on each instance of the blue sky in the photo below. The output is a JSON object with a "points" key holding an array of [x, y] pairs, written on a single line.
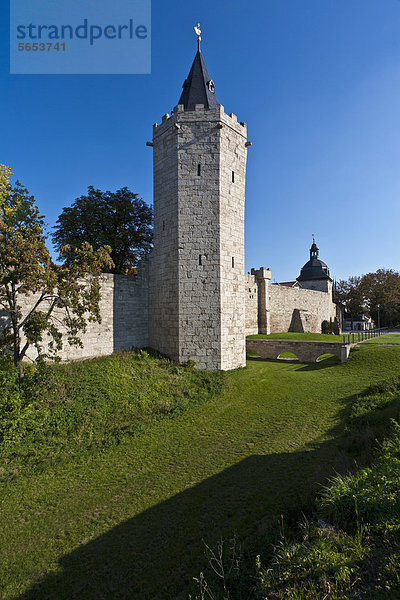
{"points": [[318, 83]]}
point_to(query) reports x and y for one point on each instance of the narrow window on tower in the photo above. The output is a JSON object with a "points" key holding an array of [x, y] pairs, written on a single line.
{"points": [[198, 170], [163, 225], [233, 176], [200, 261], [233, 262]]}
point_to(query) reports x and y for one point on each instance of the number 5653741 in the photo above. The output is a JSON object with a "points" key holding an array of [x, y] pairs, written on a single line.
{"points": [[41, 47]]}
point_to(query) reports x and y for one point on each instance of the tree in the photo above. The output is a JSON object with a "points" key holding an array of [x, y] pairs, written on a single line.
{"points": [[26, 269], [383, 288], [350, 295], [118, 219], [369, 291]]}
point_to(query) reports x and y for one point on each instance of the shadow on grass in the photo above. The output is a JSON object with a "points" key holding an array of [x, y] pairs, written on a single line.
{"points": [[302, 366], [155, 555]]}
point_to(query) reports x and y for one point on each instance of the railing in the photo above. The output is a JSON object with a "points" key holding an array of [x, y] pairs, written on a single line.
{"points": [[361, 336]]}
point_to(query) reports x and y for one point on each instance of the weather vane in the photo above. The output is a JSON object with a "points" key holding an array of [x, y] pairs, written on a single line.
{"points": [[198, 33], [313, 238]]}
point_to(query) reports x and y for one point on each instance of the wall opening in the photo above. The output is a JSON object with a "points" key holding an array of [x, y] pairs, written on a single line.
{"points": [[328, 358], [252, 354], [200, 260], [198, 170], [233, 262], [233, 176], [287, 356]]}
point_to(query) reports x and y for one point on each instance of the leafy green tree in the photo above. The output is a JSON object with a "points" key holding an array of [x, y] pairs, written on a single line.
{"points": [[26, 269], [369, 291], [350, 295], [382, 288], [118, 219]]}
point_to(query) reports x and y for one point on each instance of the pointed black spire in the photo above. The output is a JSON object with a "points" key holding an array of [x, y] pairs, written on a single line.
{"points": [[198, 88]]}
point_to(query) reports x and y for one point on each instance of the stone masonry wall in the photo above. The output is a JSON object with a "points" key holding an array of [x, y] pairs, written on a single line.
{"points": [[199, 238], [251, 296], [306, 351], [197, 287], [124, 312], [164, 289], [314, 306], [131, 309], [233, 158]]}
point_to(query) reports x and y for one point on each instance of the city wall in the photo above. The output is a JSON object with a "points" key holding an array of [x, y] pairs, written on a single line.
{"points": [[124, 308], [124, 324], [251, 299], [293, 309]]}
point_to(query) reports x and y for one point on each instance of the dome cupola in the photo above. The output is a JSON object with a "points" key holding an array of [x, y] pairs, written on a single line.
{"points": [[314, 269]]}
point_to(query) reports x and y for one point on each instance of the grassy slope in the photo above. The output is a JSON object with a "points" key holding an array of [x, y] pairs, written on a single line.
{"points": [[129, 522], [351, 546], [298, 336], [91, 405], [386, 339]]}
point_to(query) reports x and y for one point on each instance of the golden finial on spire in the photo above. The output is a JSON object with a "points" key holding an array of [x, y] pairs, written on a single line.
{"points": [[198, 33]]}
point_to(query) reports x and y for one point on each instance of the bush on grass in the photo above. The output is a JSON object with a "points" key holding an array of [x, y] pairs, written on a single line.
{"points": [[66, 410]]}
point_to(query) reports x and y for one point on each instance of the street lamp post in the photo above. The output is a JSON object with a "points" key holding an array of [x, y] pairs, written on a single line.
{"points": [[379, 315]]}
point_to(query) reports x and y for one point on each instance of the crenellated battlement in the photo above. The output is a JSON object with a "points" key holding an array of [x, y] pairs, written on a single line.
{"points": [[180, 116]]}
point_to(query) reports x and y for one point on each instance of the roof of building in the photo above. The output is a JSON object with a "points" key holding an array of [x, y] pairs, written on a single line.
{"points": [[198, 88], [289, 283], [315, 268]]}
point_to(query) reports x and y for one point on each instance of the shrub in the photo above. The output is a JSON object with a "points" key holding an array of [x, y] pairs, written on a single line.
{"points": [[330, 327], [17, 399], [354, 548], [70, 409]]}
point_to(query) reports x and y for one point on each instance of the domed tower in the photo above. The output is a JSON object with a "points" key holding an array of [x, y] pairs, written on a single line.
{"points": [[197, 296], [315, 273]]}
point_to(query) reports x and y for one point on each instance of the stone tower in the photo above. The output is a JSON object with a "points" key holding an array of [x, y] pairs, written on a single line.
{"points": [[197, 299], [315, 273]]}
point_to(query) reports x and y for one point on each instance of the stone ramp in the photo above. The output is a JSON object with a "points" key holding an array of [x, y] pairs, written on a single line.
{"points": [[305, 350]]}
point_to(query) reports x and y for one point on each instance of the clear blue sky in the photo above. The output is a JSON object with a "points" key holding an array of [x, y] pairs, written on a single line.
{"points": [[318, 83]]}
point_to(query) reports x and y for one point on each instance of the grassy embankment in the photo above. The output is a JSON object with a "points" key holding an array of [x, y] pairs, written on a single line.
{"points": [[385, 339], [350, 548], [127, 463], [321, 337]]}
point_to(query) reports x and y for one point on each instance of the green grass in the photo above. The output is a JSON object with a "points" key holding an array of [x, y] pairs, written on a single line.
{"points": [[385, 339], [328, 358], [92, 405], [288, 355], [128, 520], [322, 337], [353, 549]]}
